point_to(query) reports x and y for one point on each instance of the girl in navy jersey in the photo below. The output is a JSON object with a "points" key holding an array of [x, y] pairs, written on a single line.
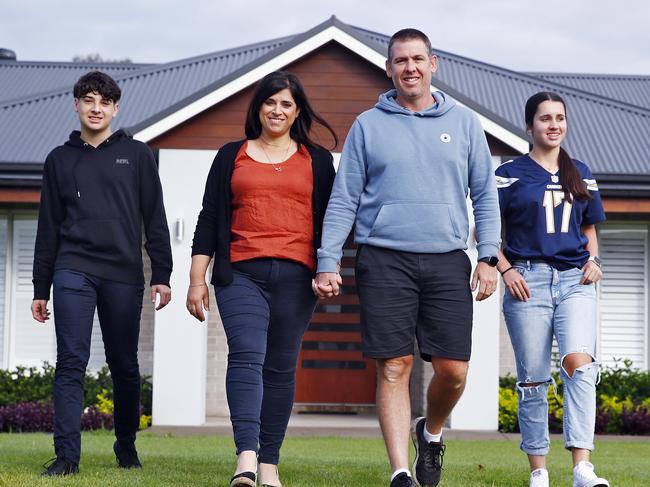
{"points": [[550, 205]]}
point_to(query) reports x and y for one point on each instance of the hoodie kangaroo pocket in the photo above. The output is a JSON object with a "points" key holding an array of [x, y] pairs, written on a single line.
{"points": [[415, 223], [111, 240]]}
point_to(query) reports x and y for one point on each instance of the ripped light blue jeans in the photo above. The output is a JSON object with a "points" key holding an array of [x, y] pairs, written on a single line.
{"points": [[559, 306]]}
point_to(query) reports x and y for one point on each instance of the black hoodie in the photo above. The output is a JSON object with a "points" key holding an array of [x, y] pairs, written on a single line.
{"points": [[94, 202]]}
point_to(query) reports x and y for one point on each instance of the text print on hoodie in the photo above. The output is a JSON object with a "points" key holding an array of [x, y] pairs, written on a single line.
{"points": [[404, 178], [94, 202]]}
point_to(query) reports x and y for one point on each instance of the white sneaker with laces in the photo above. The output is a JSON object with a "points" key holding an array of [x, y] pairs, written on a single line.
{"points": [[539, 478], [584, 476]]}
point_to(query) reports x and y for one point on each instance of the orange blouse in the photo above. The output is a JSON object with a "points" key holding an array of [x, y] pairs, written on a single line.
{"points": [[272, 209]]}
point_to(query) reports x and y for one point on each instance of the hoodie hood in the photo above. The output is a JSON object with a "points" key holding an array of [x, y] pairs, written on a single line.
{"points": [[75, 139], [388, 103]]}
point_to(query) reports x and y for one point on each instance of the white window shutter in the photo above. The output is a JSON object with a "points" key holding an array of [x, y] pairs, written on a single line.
{"points": [[34, 342], [623, 305]]}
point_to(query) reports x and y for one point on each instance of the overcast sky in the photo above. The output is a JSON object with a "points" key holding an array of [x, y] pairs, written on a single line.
{"points": [[596, 36]]}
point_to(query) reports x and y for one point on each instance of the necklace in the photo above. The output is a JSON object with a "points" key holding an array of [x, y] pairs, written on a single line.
{"points": [[276, 165]]}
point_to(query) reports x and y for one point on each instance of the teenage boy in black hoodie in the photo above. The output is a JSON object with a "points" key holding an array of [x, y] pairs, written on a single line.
{"points": [[99, 190]]}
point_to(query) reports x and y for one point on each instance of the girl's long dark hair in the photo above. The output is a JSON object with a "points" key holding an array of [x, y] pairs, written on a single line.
{"points": [[570, 178], [300, 130]]}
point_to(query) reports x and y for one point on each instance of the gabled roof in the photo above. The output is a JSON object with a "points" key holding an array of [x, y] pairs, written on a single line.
{"points": [[609, 134]]}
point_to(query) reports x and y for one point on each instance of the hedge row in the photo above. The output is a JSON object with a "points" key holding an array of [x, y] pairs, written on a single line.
{"points": [[26, 400], [31, 384], [622, 400]]}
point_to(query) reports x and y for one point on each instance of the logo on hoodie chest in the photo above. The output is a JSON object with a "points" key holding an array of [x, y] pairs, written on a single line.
{"points": [[122, 161]]}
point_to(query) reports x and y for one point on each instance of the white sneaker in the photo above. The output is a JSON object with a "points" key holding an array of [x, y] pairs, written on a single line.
{"points": [[584, 476], [539, 478]]}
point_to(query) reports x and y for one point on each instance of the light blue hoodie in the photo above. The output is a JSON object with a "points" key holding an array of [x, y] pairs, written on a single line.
{"points": [[404, 178]]}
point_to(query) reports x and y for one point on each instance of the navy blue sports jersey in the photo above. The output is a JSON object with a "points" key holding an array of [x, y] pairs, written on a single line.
{"points": [[540, 224]]}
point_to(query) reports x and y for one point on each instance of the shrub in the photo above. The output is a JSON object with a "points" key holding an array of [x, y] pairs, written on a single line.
{"points": [[94, 419], [26, 384], [39, 416], [27, 417], [623, 401], [31, 384], [105, 406], [508, 422], [622, 380], [636, 421]]}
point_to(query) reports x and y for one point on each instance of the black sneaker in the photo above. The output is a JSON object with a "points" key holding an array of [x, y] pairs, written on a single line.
{"points": [[127, 456], [427, 466], [58, 467], [403, 480]]}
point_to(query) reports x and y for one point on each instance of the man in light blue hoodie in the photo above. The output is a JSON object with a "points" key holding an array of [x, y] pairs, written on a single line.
{"points": [[406, 170]]}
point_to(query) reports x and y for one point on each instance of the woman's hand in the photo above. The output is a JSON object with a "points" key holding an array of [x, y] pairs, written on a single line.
{"points": [[516, 284], [198, 299], [591, 273], [327, 284]]}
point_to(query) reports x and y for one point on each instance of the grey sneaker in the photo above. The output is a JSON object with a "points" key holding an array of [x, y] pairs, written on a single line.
{"points": [[427, 466], [403, 480]]}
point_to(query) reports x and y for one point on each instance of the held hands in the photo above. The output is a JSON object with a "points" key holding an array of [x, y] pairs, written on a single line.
{"points": [[591, 273], [516, 284], [487, 276], [40, 311], [198, 299], [327, 284], [165, 295]]}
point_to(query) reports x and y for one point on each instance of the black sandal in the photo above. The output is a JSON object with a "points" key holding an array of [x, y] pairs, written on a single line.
{"points": [[244, 479]]}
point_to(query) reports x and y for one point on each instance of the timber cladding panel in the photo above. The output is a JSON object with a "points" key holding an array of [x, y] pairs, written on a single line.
{"points": [[338, 83]]}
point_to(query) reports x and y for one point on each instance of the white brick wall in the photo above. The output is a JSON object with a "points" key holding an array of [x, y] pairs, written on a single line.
{"points": [[506, 355], [145, 345], [216, 404]]}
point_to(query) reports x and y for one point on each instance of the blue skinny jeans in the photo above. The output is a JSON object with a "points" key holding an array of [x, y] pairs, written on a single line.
{"points": [[265, 312]]}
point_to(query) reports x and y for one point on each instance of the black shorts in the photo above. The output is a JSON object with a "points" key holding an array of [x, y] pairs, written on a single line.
{"points": [[406, 295]]}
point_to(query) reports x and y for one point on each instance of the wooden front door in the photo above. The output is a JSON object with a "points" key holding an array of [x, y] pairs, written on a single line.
{"points": [[331, 367]]}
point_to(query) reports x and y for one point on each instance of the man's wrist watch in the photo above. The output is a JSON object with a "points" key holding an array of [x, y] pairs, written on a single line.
{"points": [[595, 259], [490, 260]]}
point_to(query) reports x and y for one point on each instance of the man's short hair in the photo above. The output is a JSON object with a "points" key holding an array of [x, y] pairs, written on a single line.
{"points": [[100, 83], [407, 35]]}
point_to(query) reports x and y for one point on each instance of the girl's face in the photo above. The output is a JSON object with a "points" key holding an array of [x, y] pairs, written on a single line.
{"points": [[277, 113], [549, 125]]}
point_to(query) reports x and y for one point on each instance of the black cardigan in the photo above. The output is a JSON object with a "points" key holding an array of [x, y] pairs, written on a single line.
{"points": [[212, 233]]}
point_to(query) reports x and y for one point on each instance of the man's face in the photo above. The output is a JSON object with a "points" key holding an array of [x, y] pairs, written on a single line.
{"points": [[411, 68], [95, 112]]}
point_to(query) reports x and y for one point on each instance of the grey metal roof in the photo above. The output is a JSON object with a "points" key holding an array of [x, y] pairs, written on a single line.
{"points": [[48, 118], [21, 78], [610, 135], [633, 89]]}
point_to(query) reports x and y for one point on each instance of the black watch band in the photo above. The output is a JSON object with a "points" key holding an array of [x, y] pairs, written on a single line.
{"points": [[491, 260]]}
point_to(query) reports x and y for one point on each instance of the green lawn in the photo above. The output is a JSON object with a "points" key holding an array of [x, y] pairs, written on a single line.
{"points": [[313, 462]]}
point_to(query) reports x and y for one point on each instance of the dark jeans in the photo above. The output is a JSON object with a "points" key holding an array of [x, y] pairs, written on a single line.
{"points": [[265, 312], [118, 305]]}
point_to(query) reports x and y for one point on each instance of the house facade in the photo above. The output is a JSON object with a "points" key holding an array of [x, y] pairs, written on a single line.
{"points": [[187, 109]]}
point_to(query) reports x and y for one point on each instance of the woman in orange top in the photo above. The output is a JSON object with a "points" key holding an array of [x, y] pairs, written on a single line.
{"points": [[263, 209]]}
